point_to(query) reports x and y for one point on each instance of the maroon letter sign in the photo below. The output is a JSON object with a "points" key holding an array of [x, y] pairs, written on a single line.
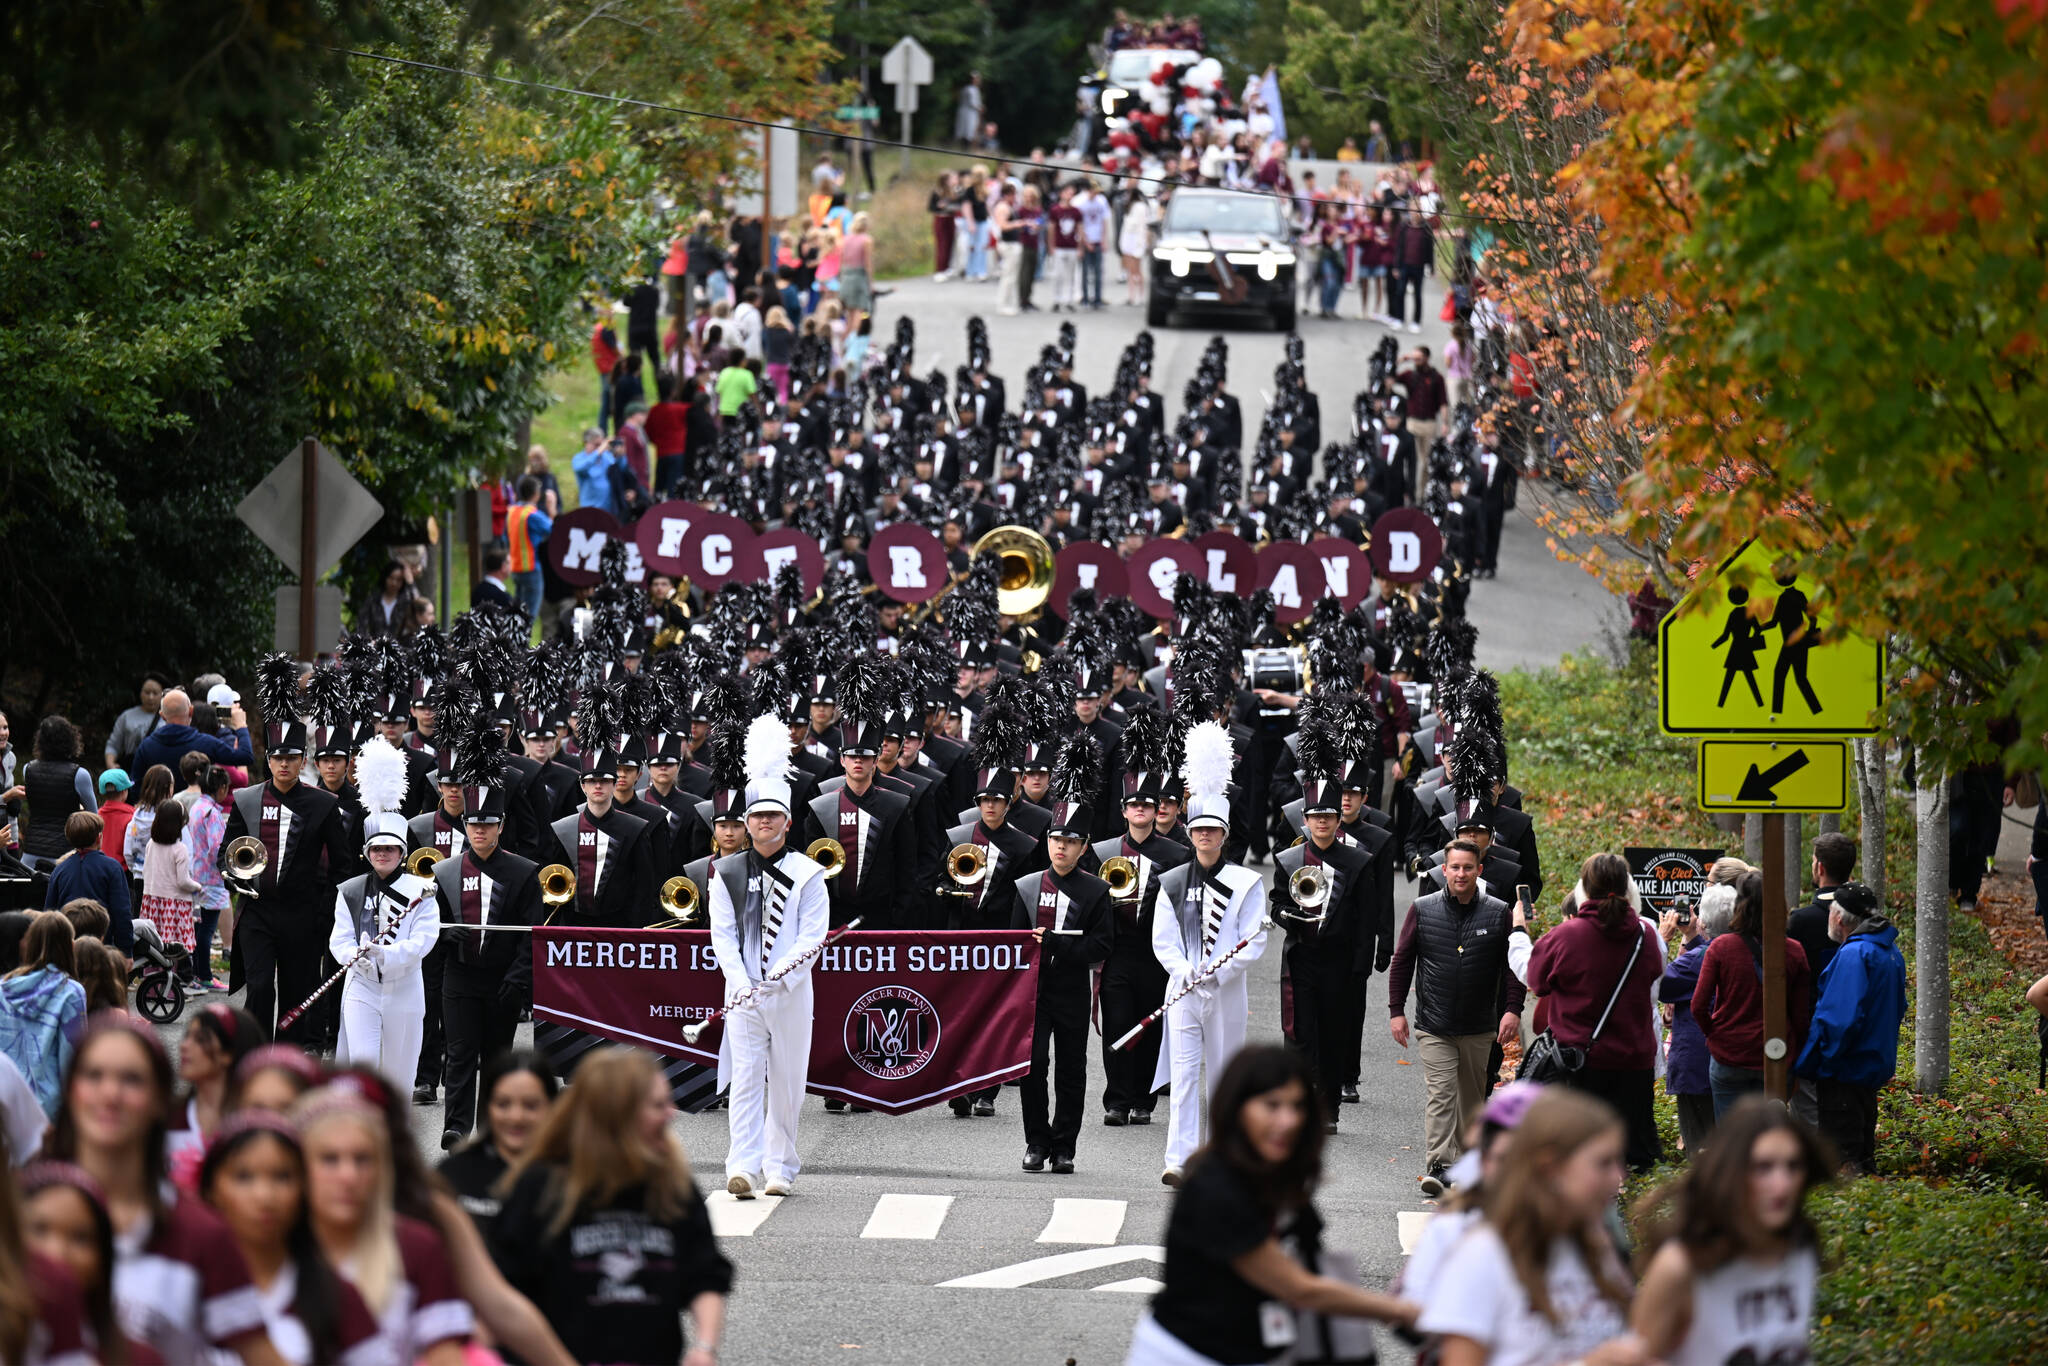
{"points": [[1229, 564], [900, 1019], [1347, 570], [1086, 564], [786, 545], [1294, 574], [1406, 545], [906, 562], [663, 532], [576, 542], [1154, 568]]}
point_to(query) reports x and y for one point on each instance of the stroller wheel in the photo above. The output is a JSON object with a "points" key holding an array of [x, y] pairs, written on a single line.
{"points": [[160, 997]]}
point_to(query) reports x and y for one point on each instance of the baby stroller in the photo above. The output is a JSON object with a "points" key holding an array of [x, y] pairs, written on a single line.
{"points": [[159, 976]]}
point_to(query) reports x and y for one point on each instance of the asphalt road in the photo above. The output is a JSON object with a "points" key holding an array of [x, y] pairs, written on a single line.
{"points": [[863, 1263]]}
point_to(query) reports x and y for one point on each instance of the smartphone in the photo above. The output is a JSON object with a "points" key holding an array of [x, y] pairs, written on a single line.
{"points": [[1522, 895]]}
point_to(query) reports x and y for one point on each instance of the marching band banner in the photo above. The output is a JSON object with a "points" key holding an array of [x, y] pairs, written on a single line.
{"points": [[908, 563], [901, 1019]]}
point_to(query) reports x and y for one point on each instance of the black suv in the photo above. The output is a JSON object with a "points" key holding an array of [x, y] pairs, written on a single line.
{"points": [[1226, 251]]}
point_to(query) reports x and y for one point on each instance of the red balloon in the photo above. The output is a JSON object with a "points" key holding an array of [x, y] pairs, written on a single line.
{"points": [[576, 541], [1291, 570], [1086, 564], [773, 549], [907, 562], [1347, 570], [1152, 571], [1229, 564], [662, 535], [1406, 545]]}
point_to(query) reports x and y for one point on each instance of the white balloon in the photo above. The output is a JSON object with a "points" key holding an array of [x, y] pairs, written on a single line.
{"points": [[1207, 72]]}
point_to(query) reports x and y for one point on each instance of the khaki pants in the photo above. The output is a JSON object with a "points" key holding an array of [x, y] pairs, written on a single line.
{"points": [[1454, 1070], [1426, 433]]}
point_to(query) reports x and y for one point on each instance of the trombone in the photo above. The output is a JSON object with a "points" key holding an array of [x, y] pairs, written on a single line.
{"points": [[246, 859], [967, 867], [1122, 876], [829, 854], [420, 862]]}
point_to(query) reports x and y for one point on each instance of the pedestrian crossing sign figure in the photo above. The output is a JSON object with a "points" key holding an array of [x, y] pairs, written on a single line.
{"points": [[1753, 649]]}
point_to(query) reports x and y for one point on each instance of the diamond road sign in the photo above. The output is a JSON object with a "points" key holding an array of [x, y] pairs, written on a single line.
{"points": [[344, 515], [1754, 650], [1774, 775]]}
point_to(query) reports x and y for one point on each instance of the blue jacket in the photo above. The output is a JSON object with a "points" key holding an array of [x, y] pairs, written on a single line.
{"points": [[1685, 1070], [41, 1015], [1854, 1036], [167, 744], [96, 877], [596, 479]]}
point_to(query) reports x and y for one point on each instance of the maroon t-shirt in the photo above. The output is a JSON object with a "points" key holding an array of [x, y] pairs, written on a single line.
{"points": [[59, 1337], [1064, 221]]}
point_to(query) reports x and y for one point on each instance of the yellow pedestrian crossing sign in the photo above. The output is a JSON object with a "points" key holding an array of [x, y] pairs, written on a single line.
{"points": [[1774, 775], [1754, 650]]}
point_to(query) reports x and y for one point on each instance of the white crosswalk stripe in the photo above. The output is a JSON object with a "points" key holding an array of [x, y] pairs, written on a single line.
{"points": [[1051, 1268], [1084, 1221], [732, 1218], [907, 1216]]}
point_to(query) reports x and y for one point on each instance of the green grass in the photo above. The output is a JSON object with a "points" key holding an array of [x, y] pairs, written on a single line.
{"points": [[559, 427], [1941, 1261]]}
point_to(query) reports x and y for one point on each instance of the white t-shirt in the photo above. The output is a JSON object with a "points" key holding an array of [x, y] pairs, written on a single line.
{"points": [[1752, 1311], [1439, 1237], [1477, 1295]]}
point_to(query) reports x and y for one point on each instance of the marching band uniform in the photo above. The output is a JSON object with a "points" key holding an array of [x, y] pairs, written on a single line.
{"points": [[385, 928], [442, 833], [767, 911], [486, 979], [1318, 989], [1073, 910], [1199, 915], [608, 853], [282, 929]]}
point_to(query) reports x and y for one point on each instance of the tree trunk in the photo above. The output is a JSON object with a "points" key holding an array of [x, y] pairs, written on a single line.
{"points": [[1870, 795], [1830, 823], [1753, 839], [1930, 937]]}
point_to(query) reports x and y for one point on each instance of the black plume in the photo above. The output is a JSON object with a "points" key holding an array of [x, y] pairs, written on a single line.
{"points": [[1077, 769], [277, 688], [329, 699], [725, 753], [866, 687], [600, 716], [1146, 739], [999, 737], [479, 759], [429, 653]]}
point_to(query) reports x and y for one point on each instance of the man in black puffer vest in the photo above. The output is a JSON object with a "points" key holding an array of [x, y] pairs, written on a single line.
{"points": [[1454, 945]]}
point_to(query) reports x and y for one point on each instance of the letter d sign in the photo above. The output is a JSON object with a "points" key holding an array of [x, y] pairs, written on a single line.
{"points": [[1404, 552]]}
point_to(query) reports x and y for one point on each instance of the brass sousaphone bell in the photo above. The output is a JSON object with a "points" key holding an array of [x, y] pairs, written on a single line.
{"points": [[1025, 560], [557, 885], [679, 898], [1122, 876], [829, 854], [420, 862]]}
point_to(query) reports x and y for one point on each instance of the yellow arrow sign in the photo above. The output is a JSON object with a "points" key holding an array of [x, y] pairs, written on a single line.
{"points": [[1774, 775], [1752, 650]]}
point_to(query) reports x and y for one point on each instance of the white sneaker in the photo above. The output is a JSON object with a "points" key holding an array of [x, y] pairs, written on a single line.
{"points": [[1414, 327], [739, 1187], [776, 1187], [1170, 1177]]}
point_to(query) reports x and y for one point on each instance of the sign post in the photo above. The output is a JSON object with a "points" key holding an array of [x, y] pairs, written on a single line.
{"points": [[309, 510], [1753, 659], [907, 66]]}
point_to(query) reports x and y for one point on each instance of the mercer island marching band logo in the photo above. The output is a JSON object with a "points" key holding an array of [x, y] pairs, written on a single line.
{"points": [[892, 1032]]}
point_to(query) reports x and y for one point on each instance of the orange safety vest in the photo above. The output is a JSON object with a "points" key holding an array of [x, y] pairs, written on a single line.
{"points": [[519, 543]]}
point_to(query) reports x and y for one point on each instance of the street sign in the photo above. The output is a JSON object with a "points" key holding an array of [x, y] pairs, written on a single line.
{"points": [[907, 66], [1774, 775], [274, 510], [869, 112], [1752, 651], [326, 617]]}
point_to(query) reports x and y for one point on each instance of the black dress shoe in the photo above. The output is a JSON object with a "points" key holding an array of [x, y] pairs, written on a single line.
{"points": [[1141, 1116], [962, 1106], [1329, 1126], [449, 1138], [423, 1095], [1349, 1095], [1034, 1160], [1116, 1119], [833, 1105], [1063, 1165], [984, 1109]]}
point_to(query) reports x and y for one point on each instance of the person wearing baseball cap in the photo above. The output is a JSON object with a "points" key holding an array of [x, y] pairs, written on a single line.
{"points": [[1852, 1046]]}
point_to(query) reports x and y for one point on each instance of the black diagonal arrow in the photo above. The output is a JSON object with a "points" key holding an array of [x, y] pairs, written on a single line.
{"points": [[1763, 786]]}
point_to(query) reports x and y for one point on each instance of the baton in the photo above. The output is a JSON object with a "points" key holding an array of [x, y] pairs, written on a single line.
{"points": [[1214, 966], [291, 1017], [693, 1032]]}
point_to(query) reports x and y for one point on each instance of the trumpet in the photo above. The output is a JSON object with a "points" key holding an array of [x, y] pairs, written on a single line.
{"points": [[1309, 889], [246, 860], [557, 885], [967, 864], [1122, 876], [679, 898], [829, 854], [420, 862]]}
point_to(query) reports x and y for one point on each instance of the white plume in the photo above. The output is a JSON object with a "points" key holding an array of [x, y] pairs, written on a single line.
{"points": [[380, 776], [1207, 761], [767, 751]]}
